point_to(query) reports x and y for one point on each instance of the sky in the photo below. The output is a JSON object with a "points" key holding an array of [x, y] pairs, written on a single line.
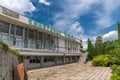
{"points": [[81, 18]]}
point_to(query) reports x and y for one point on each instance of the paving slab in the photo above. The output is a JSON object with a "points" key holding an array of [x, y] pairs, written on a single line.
{"points": [[74, 71]]}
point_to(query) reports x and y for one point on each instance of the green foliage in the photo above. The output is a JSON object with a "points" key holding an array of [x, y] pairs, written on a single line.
{"points": [[116, 72], [115, 77], [101, 60], [115, 56], [7, 49], [90, 50], [114, 67], [97, 50], [5, 46], [16, 52], [99, 47]]}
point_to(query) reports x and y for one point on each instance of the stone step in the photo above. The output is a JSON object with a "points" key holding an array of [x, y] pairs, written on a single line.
{"points": [[83, 58]]}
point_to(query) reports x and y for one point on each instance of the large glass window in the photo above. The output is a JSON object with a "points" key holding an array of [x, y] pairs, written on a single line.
{"points": [[25, 43], [19, 42], [16, 41], [26, 32], [31, 44], [36, 35], [31, 34], [19, 31], [12, 31], [4, 27], [4, 38]]}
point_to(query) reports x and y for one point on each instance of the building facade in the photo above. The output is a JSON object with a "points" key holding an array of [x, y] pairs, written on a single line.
{"points": [[38, 44]]}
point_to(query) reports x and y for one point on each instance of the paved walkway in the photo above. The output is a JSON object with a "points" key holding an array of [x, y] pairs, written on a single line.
{"points": [[75, 71]]}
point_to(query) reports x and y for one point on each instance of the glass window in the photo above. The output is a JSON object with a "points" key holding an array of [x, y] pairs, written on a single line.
{"points": [[26, 32], [4, 27], [12, 31], [41, 36], [36, 35], [19, 31], [31, 34], [26, 43]]}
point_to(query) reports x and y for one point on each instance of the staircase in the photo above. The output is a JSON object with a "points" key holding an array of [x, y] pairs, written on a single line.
{"points": [[82, 59]]}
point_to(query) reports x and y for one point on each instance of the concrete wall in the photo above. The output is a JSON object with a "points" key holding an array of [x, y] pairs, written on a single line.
{"points": [[8, 61]]}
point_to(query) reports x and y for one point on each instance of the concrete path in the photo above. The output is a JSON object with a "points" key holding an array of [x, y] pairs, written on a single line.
{"points": [[74, 71]]}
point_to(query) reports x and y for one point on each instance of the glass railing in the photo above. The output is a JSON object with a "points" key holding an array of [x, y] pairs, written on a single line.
{"points": [[19, 42]]}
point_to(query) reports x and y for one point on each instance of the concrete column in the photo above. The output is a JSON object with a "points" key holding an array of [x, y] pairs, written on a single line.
{"points": [[64, 59], [23, 35], [70, 58], [56, 61], [43, 45], [9, 28], [42, 60], [76, 58]]}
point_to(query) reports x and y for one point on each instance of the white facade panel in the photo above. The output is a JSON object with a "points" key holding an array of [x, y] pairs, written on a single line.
{"points": [[61, 45], [23, 19], [0, 9]]}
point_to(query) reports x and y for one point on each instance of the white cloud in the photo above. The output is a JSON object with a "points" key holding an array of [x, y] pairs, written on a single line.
{"points": [[85, 40], [77, 27], [44, 2], [18, 5], [112, 35], [104, 16], [104, 21], [72, 10]]}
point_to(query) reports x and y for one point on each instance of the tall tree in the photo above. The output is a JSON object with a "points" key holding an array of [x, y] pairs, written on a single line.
{"points": [[99, 47], [90, 49]]}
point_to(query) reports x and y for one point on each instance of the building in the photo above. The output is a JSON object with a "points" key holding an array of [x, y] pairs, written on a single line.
{"points": [[39, 45]]}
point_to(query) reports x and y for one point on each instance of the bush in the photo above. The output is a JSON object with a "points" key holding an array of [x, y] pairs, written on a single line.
{"points": [[114, 67], [115, 56], [101, 60], [115, 77], [5, 46], [116, 72], [7, 49]]}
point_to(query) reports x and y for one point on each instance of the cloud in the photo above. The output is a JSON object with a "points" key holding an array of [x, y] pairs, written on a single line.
{"points": [[44, 2], [102, 10], [20, 6], [112, 35], [104, 21], [71, 12], [76, 29], [85, 40], [104, 18]]}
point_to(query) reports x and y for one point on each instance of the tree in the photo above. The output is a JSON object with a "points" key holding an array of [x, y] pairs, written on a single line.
{"points": [[90, 50], [99, 47]]}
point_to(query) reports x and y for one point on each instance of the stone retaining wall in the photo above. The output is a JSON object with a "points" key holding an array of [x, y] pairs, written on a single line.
{"points": [[8, 62]]}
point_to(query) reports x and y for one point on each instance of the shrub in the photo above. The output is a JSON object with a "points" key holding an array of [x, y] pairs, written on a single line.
{"points": [[115, 77], [114, 67], [115, 60], [116, 72], [5, 46], [101, 60], [16, 52], [7, 49]]}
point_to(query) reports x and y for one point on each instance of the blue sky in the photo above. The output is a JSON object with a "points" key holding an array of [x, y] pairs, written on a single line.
{"points": [[81, 18]]}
